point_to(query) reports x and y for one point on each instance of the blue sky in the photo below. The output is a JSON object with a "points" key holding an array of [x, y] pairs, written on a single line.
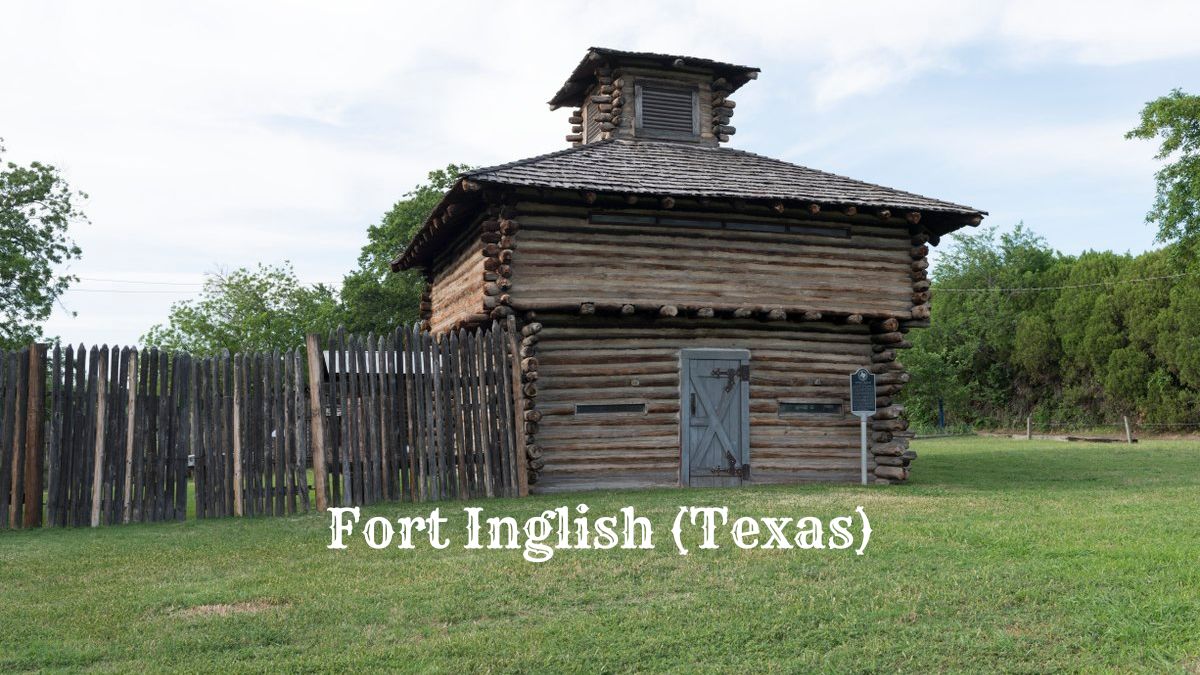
{"points": [[1041, 144], [215, 135]]}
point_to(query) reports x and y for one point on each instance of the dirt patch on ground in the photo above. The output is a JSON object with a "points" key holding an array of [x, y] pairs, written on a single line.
{"points": [[226, 609]]}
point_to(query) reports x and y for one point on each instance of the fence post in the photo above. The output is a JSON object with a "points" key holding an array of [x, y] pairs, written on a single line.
{"points": [[316, 412], [239, 504], [35, 422], [131, 400], [1029, 427], [1128, 432], [101, 395], [518, 409], [10, 495]]}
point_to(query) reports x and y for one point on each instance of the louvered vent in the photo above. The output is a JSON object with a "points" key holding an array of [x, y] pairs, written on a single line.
{"points": [[667, 110], [591, 114]]}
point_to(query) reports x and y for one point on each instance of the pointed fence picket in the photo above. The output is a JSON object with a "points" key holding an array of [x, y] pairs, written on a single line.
{"points": [[411, 416], [102, 435]]}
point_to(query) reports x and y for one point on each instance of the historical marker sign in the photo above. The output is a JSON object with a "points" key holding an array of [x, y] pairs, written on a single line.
{"points": [[862, 392], [862, 403]]}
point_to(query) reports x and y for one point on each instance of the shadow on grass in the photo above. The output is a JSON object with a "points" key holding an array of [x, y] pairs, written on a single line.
{"points": [[989, 464]]}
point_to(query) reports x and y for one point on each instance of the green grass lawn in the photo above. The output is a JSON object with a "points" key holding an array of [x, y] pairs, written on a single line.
{"points": [[1000, 555]]}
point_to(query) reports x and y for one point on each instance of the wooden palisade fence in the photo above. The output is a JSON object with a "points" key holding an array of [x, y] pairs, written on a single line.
{"points": [[118, 435], [22, 416], [414, 418]]}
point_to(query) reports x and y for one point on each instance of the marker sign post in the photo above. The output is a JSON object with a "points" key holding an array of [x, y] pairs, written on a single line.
{"points": [[862, 403]]}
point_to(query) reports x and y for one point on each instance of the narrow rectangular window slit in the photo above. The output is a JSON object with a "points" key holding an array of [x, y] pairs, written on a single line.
{"points": [[609, 408], [809, 408], [714, 224], [687, 222], [756, 227], [616, 219], [820, 231]]}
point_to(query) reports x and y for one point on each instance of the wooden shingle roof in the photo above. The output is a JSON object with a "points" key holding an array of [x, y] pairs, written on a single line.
{"points": [[572, 91], [691, 170], [665, 169]]}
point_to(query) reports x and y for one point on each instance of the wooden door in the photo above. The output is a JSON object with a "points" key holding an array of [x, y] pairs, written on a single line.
{"points": [[715, 416]]}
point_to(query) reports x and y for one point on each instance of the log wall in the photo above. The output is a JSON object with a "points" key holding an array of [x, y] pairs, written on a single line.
{"points": [[567, 260], [456, 293], [605, 305], [633, 360]]}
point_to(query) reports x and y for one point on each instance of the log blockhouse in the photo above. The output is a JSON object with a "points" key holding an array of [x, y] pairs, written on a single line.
{"points": [[689, 312]]}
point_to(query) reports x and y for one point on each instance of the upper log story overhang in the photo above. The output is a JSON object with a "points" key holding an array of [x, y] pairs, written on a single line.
{"points": [[468, 199]]}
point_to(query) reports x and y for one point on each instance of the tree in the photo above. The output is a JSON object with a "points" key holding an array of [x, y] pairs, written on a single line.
{"points": [[1175, 120], [373, 297], [972, 355], [37, 207], [1019, 329], [1035, 344], [248, 310]]}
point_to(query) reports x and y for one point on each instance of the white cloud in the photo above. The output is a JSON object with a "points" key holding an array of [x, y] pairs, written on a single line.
{"points": [[233, 132], [1101, 32], [1048, 151]]}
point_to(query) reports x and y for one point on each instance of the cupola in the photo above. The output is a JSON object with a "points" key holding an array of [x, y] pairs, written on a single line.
{"points": [[644, 96]]}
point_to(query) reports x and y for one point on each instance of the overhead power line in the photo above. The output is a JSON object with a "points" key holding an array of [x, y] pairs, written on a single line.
{"points": [[182, 287], [142, 282], [939, 289], [128, 290]]}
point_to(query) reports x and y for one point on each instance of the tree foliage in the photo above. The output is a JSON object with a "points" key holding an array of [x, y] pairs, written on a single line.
{"points": [[373, 297], [37, 207], [247, 310], [1174, 119], [1106, 335]]}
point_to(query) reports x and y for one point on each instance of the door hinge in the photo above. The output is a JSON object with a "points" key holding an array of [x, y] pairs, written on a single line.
{"points": [[733, 375]]}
